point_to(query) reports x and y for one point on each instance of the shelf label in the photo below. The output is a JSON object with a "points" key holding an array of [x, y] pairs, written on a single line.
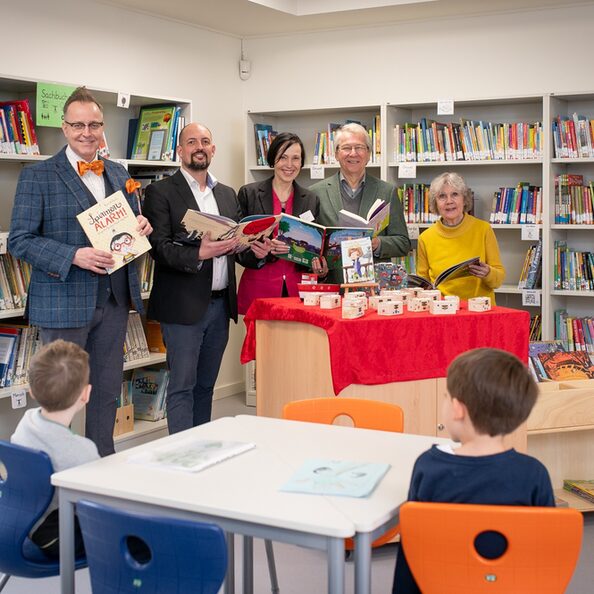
{"points": [[531, 297], [19, 399], [529, 233], [413, 231], [445, 107], [407, 170], [124, 100], [316, 172], [3, 241], [49, 103]]}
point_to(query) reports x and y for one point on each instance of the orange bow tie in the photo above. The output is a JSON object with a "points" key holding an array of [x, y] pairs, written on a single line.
{"points": [[95, 166]]}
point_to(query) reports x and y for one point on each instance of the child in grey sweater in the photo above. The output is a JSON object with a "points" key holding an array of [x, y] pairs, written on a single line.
{"points": [[59, 381]]}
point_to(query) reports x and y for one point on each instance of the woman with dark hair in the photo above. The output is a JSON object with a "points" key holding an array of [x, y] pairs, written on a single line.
{"points": [[280, 193]]}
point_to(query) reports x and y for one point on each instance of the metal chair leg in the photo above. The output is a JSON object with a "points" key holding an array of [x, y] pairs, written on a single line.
{"points": [[271, 567], [4, 577]]}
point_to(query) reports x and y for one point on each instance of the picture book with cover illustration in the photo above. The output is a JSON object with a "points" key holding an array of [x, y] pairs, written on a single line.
{"points": [[572, 365], [111, 226], [456, 271], [248, 230], [378, 217], [535, 364], [357, 261], [191, 455], [307, 240], [336, 477], [147, 391]]}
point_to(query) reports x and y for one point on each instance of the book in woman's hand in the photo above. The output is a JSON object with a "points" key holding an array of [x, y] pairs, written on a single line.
{"points": [[456, 271]]}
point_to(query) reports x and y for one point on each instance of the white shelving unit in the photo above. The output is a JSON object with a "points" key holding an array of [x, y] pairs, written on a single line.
{"points": [[50, 141]]}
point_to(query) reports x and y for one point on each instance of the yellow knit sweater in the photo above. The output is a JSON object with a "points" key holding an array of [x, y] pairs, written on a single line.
{"points": [[441, 247]]}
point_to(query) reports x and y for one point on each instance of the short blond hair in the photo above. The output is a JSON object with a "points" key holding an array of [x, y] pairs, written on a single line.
{"points": [[58, 373]]}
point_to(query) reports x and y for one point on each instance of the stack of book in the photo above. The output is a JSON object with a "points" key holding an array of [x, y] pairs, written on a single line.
{"points": [[531, 275], [17, 132], [415, 203], [148, 388], [535, 328], [156, 133], [135, 346], [408, 262], [573, 270], [14, 282], [576, 334], [519, 205], [430, 141], [146, 272], [17, 345], [574, 201], [584, 489], [264, 135], [325, 148], [573, 137]]}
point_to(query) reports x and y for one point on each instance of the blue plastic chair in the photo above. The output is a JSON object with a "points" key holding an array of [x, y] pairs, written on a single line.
{"points": [[25, 493], [181, 556]]}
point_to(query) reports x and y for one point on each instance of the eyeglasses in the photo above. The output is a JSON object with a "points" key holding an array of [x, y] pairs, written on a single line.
{"points": [[358, 148], [79, 126]]}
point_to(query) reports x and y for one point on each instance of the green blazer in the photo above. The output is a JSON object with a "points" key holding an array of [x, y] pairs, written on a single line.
{"points": [[394, 239]]}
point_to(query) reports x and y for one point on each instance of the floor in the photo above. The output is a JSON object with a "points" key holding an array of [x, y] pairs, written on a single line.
{"points": [[303, 571]]}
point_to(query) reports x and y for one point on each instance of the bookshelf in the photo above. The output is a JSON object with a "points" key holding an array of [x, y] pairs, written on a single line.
{"points": [[561, 448], [50, 141]]}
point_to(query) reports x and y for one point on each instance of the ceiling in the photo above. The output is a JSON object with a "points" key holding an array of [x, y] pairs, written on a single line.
{"points": [[244, 18]]}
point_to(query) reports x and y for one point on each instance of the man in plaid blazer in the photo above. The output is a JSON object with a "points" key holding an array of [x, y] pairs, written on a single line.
{"points": [[71, 296]]}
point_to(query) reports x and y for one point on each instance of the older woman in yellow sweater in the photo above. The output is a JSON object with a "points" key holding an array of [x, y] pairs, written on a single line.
{"points": [[458, 236]]}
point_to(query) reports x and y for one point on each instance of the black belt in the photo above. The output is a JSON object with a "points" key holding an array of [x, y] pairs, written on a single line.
{"points": [[218, 294]]}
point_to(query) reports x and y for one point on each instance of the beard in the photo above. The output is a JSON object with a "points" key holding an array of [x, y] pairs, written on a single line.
{"points": [[198, 166]]}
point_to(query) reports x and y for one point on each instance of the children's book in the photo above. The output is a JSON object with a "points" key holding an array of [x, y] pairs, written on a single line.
{"points": [[456, 271], [191, 455], [148, 388], [336, 477], [357, 261], [390, 276], [307, 240], [110, 226], [547, 346], [571, 365], [152, 119], [249, 229], [583, 488], [378, 217]]}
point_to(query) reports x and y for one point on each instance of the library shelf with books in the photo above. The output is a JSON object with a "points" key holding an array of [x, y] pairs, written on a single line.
{"points": [[50, 141]]}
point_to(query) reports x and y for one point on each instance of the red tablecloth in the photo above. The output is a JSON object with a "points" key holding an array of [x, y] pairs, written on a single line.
{"points": [[379, 350]]}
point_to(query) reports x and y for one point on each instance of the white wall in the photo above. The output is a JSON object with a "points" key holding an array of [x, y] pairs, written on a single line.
{"points": [[465, 58]]}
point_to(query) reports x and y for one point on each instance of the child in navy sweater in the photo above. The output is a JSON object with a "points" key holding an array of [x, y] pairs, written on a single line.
{"points": [[490, 394]]}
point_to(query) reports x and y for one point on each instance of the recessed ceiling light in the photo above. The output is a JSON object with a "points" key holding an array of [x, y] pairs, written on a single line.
{"points": [[311, 7]]}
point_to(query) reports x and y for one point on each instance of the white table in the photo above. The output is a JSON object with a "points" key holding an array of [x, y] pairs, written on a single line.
{"points": [[241, 495]]}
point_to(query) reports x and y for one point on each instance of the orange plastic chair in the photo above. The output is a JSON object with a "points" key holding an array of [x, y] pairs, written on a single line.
{"points": [[543, 546], [365, 414]]}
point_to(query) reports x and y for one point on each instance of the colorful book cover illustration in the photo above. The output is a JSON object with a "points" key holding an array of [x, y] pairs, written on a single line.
{"points": [[571, 365], [357, 261]]}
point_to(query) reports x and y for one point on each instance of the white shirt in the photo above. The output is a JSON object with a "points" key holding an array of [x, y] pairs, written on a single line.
{"points": [[93, 181], [206, 203]]}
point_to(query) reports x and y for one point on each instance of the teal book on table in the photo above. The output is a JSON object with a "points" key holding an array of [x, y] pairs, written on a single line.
{"points": [[336, 477]]}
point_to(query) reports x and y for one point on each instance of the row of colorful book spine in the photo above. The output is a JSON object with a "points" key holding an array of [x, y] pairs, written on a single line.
{"points": [[574, 201], [535, 328], [576, 333], [135, 345], [408, 262], [573, 137], [415, 203], [470, 140], [19, 344], [531, 275], [14, 282], [573, 270], [519, 205], [264, 135], [17, 131]]}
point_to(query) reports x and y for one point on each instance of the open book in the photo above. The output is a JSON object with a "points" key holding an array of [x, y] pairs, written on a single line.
{"points": [[336, 477], [378, 217], [110, 226], [248, 230], [191, 455], [308, 240], [456, 271]]}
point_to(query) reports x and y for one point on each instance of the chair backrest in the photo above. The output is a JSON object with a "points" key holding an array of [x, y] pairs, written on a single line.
{"points": [[365, 414], [543, 546], [25, 493], [182, 556]]}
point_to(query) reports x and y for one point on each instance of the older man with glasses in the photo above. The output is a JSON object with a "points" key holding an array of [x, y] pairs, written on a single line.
{"points": [[353, 190], [71, 296]]}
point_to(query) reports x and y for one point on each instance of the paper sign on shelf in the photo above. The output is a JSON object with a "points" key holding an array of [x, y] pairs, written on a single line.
{"points": [[316, 172], [18, 399], [445, 107], [124, 100], [3, 241], [413, 231], [531, 297], [49, 101], [529, 233], [407, 170]]}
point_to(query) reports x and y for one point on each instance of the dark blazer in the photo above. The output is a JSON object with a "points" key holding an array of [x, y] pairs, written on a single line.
{"points": [[45, 232], [182, 283]]}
